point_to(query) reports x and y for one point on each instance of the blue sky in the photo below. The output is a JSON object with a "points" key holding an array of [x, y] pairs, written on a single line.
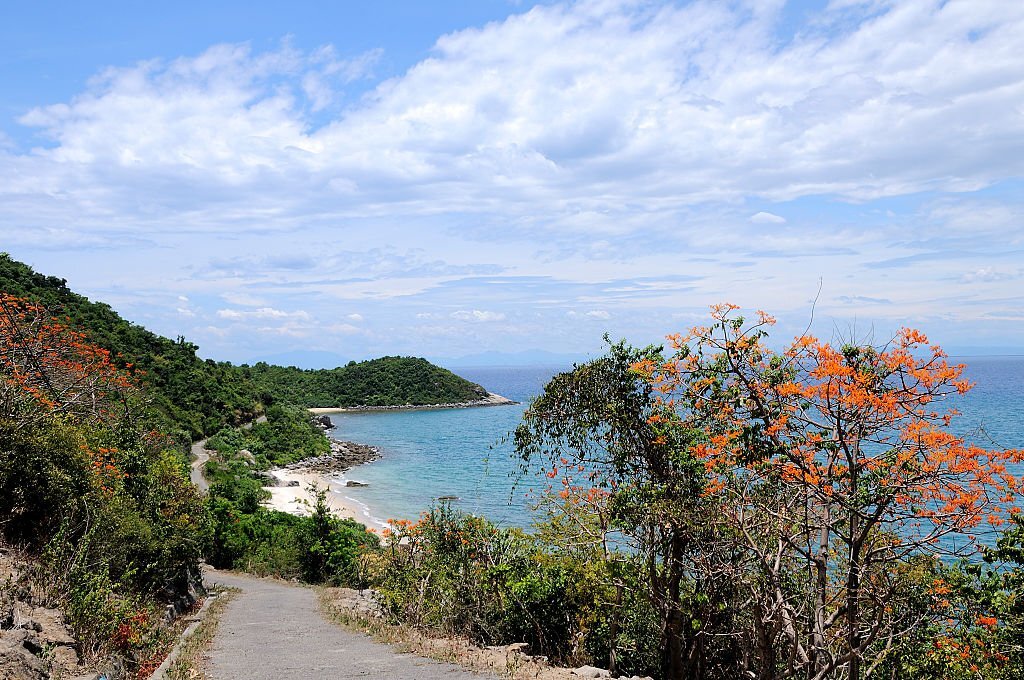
{"points": [[445, 179]]}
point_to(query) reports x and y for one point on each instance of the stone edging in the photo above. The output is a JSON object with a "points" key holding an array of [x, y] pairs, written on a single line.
{"points": [[197, 619]]}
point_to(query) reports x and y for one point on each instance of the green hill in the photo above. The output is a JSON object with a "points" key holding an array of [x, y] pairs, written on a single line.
{"points": [[388, 381], [202, 396]]}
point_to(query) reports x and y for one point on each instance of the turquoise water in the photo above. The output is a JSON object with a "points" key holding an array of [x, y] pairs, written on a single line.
{"points": [[445, 452], [458, 452]]}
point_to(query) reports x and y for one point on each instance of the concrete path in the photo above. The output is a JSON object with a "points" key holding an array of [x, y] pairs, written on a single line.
{"points": [[273, 631]]}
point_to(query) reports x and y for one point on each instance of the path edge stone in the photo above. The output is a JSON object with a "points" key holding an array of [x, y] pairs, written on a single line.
{"points": [[161, 671]]}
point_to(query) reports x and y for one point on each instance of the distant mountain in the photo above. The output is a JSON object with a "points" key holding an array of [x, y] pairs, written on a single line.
{"points": [[306, 359], [528, 357]]}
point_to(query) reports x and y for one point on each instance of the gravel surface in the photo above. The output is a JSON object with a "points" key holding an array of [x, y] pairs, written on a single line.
{"points": [[273, 631]]}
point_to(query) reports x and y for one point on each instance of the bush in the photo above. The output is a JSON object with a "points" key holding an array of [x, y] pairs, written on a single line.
{"points": [[460, 575]]}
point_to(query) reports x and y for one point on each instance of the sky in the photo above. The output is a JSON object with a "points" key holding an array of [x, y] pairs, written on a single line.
{"points": [[447, 179]]}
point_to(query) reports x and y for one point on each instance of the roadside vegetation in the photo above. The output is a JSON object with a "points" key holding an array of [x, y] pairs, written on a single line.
{"points": [[103, 504], [727, 511]]}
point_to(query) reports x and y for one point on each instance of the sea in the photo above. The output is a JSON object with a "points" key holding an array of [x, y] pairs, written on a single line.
{"points": [[466, 455]]}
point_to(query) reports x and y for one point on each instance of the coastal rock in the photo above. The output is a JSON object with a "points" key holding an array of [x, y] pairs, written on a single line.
{"points": [[267, 479], [352, 482], [343, 456], [323, 422]]}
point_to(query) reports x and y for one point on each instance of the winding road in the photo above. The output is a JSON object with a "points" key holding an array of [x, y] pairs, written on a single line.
{"points": [[200, 455], [273, 630]]}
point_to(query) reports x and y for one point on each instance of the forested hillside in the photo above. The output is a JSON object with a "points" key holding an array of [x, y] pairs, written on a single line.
{"points": [[199, 397], [189, 393]]}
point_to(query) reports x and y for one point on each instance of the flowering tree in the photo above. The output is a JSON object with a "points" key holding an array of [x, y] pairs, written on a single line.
{"points": [[619, 460], [46, 368], [837, 470]]}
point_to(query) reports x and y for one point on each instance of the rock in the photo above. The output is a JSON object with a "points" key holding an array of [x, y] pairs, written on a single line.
{"points": [[18, 664], [323, 422], [353, 482], [450, 498], [592, 672], [294, 482], [32, 644], [65, 656], [267, 479]]}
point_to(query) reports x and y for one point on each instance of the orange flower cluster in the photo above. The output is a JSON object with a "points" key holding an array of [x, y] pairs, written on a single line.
{"points": [[842, 422], [46, 364]]}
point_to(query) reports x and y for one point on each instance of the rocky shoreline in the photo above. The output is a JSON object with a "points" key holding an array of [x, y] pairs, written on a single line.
{"points": [[343, 456]]}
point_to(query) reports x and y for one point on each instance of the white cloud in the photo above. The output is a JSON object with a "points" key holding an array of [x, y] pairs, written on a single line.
{"points": [[244, 299], [344, 329], [477, 315], [593, 314], [987, 275], [261, 313], [354, 317], [528, 163], [767, 218], [612, 104]]}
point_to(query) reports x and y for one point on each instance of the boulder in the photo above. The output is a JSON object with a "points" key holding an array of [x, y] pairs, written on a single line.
{"points": [[592, 672]]}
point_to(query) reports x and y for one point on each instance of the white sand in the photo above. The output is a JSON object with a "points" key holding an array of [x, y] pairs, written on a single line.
{"points": [[299, 500]]}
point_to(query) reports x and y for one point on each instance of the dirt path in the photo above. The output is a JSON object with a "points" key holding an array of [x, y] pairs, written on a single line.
{"points": [[273, 630], [200, 455]]}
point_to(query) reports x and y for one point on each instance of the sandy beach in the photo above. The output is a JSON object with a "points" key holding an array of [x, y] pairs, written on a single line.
{"points": [[298, 500]]}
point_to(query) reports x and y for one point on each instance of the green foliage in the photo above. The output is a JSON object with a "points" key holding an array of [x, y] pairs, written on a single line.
{"points": [[320, 548], [976, 613], [194, 397], [461, 575], [626, 471], [388, 381], [332, 547], [107, 615], [188, 393], [287, 436]]}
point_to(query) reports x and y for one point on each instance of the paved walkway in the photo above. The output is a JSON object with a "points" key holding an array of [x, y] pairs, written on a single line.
{"points": [[274, 631]]}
